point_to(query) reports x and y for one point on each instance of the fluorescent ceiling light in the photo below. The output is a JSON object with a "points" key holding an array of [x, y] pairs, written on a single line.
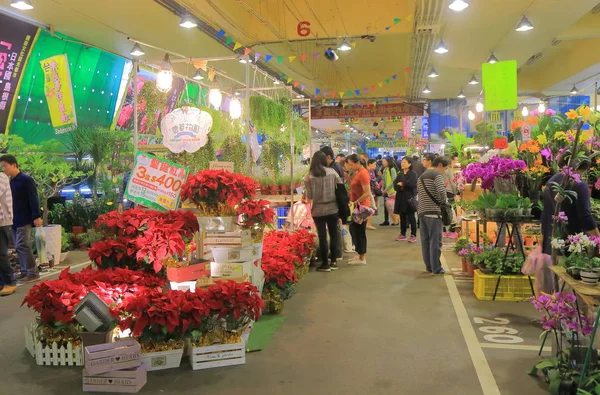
{"points": [[344, 46], [473, 81], [441, 48], [22, 5], [461, 95], [458, 5], [137, 50], [492, 59], [433, 73], [188, 22], [426, 89], [574, 91], [524, 25], [197, 76]]}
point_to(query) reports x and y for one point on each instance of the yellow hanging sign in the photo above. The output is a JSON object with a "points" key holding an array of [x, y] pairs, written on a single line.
{"points": [[59, 93]]}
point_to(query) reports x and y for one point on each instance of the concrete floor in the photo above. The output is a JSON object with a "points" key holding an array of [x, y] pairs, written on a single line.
{"points": [[386, 328]]}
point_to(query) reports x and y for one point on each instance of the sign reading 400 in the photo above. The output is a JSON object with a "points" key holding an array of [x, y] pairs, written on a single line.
{"points": [[155, 182]]}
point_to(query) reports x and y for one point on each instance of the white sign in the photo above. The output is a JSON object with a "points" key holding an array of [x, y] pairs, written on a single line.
{"points": [[253, 140], [216, 165], [186, 129]]}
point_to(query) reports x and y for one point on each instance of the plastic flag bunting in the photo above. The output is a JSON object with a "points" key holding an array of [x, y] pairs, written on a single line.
{"points": [[387, 28], [303, 86], [296, 83], [407, 69], [342, 95], [387, 100], [229, 40], [349, 93], [316, 54], [387, 80], [366, 90], [221, 33], [237, 46], [394, 76], [247, 51], [303, 58], [332, 95], [291, 58], [256, 56], [317, 91], [372, 87], [380, 84], [279, 59], [353, 43], [357, 92], [324, 93], [289, 80], [268, 57], [397, 21]]}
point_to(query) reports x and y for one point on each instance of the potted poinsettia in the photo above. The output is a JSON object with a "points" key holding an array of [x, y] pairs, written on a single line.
{"points": [[255, 215]]}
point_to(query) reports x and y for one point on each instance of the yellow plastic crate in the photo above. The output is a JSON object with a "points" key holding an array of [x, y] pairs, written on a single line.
{"points": [[512, 288]]}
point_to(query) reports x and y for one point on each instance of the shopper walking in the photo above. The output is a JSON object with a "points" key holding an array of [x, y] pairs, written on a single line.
{"points": [[451, 191], [320, 184], [432, 194], [428, 160], [360, 195], [417, 166], [375, 189], [406, 200], [388, 175], [26, 212], [6, 219]]}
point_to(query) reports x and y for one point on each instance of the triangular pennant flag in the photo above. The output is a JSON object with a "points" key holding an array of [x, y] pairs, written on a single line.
{"points": [[374, 103], [357, 92], [408, 18], [247, 51], [283, 76], [387, 100], [407, 69], [316, 54], [397, 95], [296, 83], [387, 80], [289, 80], [366, 90], [303, 58], [279, 59], [303, 86], [332, 95], [394, 76], [268, 57], [322, 101], [387, 28], [317, 91], [228, 40], [291, 58], [221, 33], [349, 93], [353, 43], [256, 56], [372, 87], [380, 84], [397, 21], [378, 101], [237, 46], [324, 93]]}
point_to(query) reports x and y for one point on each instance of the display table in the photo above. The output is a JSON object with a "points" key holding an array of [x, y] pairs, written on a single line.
{"points": [[279, 199]]}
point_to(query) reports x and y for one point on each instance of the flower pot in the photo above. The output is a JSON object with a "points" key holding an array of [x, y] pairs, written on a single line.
{"points": [[53, 241], [535, 196], [471, 270], [528, 241], [285, 189], [217, 224], [63, 256], [77, 230], [489, 212], [527, 212], [590, 276], [484, 269], [465, 265], [497, 212], [273, 189]]}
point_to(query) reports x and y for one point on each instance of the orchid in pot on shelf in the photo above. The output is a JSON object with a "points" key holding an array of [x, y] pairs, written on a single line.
{"points": [[496, 170], [581, 260]]}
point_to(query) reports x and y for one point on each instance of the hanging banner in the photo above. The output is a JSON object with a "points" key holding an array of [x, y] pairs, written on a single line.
{"points": [[155, 182], [186, 129], [16, 39], [382, 110], [59, 93], [406, 126], [253, 141], [500, 85], [425, 127]]}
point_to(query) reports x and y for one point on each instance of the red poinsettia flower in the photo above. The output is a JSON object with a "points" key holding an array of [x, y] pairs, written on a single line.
{"points": [[255, 212]]}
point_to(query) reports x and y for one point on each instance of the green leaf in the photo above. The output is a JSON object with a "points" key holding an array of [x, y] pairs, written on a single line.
{"points": [[533, 371], [555, 386], [546, 363]]}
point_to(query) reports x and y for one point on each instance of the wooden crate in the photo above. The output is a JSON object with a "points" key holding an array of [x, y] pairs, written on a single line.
{"points": [[162, 359], [188, 273], [232, 254], [123, 381], [218, 355], [115, 356], [228, 270], [51, 354]]}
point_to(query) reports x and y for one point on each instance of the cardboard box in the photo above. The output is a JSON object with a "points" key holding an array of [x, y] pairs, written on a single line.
{"points": [[188, 273], [231, 269], [123, 381], [114, 356], [237, 239], [232, 254]]}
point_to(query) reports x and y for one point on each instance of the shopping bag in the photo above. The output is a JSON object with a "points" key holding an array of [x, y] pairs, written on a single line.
{"points": [[347, 238], [538, 264], [40, 244], [389, 203]]}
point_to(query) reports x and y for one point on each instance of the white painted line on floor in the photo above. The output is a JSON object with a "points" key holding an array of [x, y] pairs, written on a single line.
{"points": [[55, 270], [514, 347], [480, 363]]}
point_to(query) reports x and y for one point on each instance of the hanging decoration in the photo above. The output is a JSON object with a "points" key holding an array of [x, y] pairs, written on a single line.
{"points": [[186, 129], [59, 93]]}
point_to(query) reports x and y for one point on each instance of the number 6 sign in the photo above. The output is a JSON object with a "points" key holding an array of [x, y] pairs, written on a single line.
{"points": [[303, 28]]}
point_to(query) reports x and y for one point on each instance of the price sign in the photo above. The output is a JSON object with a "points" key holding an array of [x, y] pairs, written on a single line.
{"points": [[155, 182], [526, 132]]}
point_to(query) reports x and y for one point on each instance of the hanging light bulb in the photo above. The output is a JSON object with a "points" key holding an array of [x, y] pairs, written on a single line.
{"points": [[164, 78], [197, 76], [492, 59], [235, 108], [344, 46], [542, 108], [471, 115], [479, 106], [525, 111], [23, 5], [461, 94], [433, 73], [215, 97], [524, 25], [137, 50], [426, 89], [458, 5], [473, 81], [441, 48], [188, 22], [574, 91]]}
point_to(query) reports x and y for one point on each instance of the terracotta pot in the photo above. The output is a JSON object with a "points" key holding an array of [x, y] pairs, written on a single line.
{"points": [[77, 230], [471, 270], [272, 190], [528, 241], [465, 265], [285, 189]]}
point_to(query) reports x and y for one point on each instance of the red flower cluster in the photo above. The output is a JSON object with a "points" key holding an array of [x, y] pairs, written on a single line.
{"points": [[301, 242], [153, 315], [255, 212], [55, 300], [141, 239], [217, 186], [282, 253]]}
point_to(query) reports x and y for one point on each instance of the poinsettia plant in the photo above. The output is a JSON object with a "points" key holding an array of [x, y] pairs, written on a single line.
{"points": [[217, 192], [255, 213]]}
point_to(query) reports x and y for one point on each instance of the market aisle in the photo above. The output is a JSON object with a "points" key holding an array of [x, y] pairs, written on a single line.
{"points": [[386, 328]]}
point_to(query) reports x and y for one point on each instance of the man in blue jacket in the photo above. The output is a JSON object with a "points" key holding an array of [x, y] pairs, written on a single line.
{"points": [[26, 212]]}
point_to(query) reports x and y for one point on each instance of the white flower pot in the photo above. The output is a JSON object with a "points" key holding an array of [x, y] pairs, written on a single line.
{"points": [[590, 276], [63, 256], [217, 224], [53, 241]]}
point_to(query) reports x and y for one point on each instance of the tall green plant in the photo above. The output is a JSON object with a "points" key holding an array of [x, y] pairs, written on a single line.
{"points": [[269, 116], [274, 154], [458, 142], [486, 132]]}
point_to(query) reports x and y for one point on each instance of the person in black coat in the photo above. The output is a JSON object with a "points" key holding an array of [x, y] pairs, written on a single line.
{"points": [[406, 200]]}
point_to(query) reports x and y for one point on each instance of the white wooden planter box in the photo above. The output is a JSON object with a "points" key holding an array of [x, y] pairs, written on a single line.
{"points": [[218, 355], [258, 249], [246, 334], [114, 356], [184, 286], [162, 359], [124, 381], [52, 354]]}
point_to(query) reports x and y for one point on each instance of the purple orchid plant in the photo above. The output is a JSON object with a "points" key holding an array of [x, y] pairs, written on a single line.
{"points": [[496, 167]]}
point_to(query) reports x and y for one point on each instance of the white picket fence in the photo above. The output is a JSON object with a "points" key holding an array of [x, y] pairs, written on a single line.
{"points": [[51, 354]]}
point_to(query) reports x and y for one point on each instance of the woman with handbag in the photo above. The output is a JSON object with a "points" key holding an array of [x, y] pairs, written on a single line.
{"points": [[406, 200], [388, 175], [375, 189], [321, 183], [360, 197]]}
